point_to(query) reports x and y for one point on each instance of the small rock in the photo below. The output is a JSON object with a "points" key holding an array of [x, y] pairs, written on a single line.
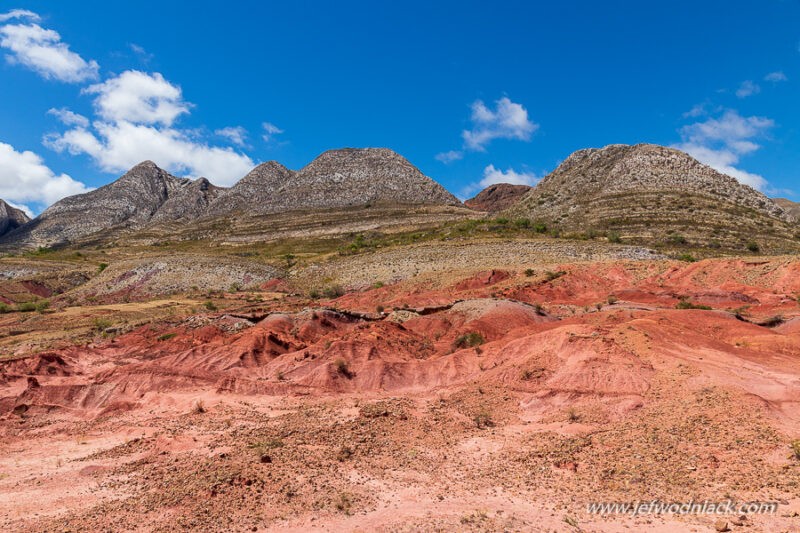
{"points": [[721, 526]]}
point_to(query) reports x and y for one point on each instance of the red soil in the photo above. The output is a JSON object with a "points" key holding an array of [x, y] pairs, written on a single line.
{"points": [[604, 338]]}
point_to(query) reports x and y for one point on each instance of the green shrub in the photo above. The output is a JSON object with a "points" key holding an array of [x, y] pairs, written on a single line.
{"points": [[101, 324], [687, 257], [5, 308], [167, 336], [686, 304], [42, 305], [614, 237], [753, 247], [554, 275], [343, 369], [529, 272], [501, 220], [522, 223], [101, 267], [468, 340], [540, 227], [210, 305], [334, 291], [26, 307]]}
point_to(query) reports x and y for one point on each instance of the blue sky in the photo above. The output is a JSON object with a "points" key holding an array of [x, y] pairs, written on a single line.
{"points": [[470, 92]]}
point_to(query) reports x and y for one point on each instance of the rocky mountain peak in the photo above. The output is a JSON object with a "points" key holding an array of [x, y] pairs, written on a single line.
{"points": [[497, 197], [335, 179], [11, 217]]}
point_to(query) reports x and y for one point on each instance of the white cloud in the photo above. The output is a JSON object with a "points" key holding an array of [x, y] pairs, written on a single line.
{"points": [[138, 97], [449, 157], [24, 179], [508, 120], [235, 134], [747, 88], [775, 77], [137, 111], [721, 142], [270, 131], [492, 176], [42, 51], [69, 118], [116, 147], [19, 14]]}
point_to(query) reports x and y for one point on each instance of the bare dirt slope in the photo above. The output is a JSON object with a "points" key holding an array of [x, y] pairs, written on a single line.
{"points": [[485, 399]]}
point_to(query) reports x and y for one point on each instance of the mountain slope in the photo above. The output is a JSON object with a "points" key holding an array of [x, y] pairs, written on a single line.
{"points": [[127, 203], [497, 197], [792, 208], [336, 179], [11, 218], [656, 193]]}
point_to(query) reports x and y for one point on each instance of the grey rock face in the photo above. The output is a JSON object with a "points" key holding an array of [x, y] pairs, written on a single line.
{"points": [[129, 202], [188, 202], [336, 179], [11, 218]]}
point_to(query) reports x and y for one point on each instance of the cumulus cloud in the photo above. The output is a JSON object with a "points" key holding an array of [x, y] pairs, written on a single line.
{"points": [[492, 176], [720, 142], [138, 97], [747, 88], [449, 157], [42, 50], [25, 179], [235, 134], [270, 131], [69, 118], [19, 14], [508, 120], [775, 77], [137, 112]]}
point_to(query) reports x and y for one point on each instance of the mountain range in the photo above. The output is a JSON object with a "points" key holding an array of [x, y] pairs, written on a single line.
{"points": [[639, 192]]}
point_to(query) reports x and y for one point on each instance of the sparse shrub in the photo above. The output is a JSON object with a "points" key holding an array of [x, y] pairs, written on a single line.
{"points": [[614, 237], [334, 291], [199, 407], [344, 503], [210, 306], [290, 260], [279, 376], [235, 287], [343, 369], [686, 304], [26, 307], [483, 419], [5, 308], [501, 220], [539, 309], [468, 340], [101, 324], [551, 276], [753, 246], [101, 267], [687, 257], [377, 285], [344, 453], [611, 299], [795, 446], [529, 272], [314, 294], [572, 415], [42, 306], [677, 239], [166, 336], [540, 227], [522, 223]]}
